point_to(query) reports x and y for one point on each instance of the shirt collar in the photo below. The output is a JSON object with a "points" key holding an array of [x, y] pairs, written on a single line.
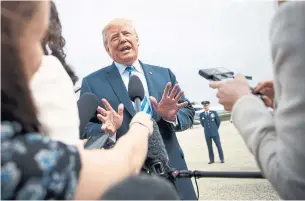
{"points": [[122, 67]]}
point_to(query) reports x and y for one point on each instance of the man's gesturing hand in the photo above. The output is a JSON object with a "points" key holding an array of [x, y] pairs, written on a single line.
{"points": [[168, 107], [111, 119]]}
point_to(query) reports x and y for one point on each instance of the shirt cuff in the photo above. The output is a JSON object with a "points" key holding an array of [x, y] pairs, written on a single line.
{"points": [[175, 123]]}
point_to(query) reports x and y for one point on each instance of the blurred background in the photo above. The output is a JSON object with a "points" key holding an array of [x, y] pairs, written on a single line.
{"points": [[184, 36]]}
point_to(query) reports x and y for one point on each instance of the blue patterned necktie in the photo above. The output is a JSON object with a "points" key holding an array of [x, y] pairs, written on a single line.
{"points": [[145, 107], [129, 69]]}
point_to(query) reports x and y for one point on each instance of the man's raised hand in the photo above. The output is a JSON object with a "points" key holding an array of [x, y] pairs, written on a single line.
{"points": [[168, 107], [111, 119]]}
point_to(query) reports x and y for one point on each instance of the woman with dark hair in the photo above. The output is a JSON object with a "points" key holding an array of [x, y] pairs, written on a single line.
{"points": [[52, 88], [54, 42], [32, 165]]}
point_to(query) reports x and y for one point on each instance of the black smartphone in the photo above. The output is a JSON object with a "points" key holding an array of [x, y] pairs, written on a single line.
{"points": [[216, 74]]}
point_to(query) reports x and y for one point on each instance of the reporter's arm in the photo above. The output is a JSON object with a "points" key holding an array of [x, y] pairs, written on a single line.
{"points": [[60, 171], [65, 171], [124, 159], [278, 142]]}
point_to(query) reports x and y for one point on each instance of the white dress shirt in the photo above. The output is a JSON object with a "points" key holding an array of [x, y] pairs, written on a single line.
{"points": [[54, 98], [138, 71]]}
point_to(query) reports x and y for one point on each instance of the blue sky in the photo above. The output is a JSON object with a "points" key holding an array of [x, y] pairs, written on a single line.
{"points": [[184, 36]]}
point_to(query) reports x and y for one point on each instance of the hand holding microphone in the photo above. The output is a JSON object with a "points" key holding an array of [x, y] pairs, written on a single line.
{"points": [[142, 119], [136, 94], [156, 153]]}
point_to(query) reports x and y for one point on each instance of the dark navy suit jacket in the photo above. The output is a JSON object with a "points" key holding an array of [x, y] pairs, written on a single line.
{"points": [[210, 122], [107, 83]]}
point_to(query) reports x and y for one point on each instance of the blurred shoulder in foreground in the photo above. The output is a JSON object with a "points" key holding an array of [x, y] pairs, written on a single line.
{"points": [[142, 187]]}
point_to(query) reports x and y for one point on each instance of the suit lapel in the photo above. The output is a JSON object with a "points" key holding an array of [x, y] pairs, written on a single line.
{"points": [[117, 84], [150, 80]]}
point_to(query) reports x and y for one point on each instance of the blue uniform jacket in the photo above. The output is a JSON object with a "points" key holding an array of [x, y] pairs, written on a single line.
{"points": [[210, 122]]}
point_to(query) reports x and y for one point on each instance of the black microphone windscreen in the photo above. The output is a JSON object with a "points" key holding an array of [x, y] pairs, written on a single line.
{"points": [[135, 88], [87, 105], [156, 147]]}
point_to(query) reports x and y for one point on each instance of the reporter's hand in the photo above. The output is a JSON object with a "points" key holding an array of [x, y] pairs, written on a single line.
{"points": [[267, 89], [230, 91], [111, 119], [111, 167], [126, 158], [143, 119]]}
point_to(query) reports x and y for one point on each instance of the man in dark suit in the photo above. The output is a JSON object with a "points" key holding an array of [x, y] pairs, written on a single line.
{"points": [[210, 120], [163, 98]]}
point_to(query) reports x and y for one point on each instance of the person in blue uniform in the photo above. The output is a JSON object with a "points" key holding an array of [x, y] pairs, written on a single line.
{"points": [[210, 121]]}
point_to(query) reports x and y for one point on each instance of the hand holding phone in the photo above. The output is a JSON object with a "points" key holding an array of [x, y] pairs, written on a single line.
{"points": [[218, 74]]}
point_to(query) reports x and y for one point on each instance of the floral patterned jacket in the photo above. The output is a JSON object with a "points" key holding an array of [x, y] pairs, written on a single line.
{"points": [[35, 167]]}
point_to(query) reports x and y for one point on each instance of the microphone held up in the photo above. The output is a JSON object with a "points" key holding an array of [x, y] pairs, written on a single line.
{"points": [[87, 105], [157, 157], [136, 91]]}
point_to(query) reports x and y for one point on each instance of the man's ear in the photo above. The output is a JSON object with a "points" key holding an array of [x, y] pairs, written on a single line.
{"points": [[107, 49], [137, 37], [138, 41]]}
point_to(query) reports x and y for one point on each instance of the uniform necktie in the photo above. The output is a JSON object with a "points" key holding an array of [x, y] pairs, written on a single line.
{"points": [[145, 107]]}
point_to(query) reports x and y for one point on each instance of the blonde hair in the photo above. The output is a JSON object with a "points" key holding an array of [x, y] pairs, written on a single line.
{"points": [[116, 22]]}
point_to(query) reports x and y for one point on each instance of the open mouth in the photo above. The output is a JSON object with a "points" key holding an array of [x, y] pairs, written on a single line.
{"points": [[124, 49]]}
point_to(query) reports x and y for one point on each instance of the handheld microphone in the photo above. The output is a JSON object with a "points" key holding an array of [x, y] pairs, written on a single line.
{"points": [[87, 105], [157, 157], [136, 91]]}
